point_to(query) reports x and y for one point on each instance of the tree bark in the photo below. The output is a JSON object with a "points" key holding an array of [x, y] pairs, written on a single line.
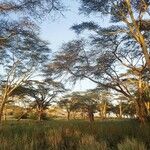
{"points": [[101, 112], [104, 110], [141, 107], [144, 48], [91, 116], [142, 111], [1, 112], [148, 107], [137, 34], [39, 117], [5, 115], [2, 106], [68, 115], [40, 112], [120, 110]]}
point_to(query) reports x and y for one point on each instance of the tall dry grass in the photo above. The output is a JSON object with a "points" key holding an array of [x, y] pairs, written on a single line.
{"points": [[74, 135]]}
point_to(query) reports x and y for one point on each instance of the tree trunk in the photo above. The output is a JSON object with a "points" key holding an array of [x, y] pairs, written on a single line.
{"points": [[141, 107], [2, 109], [68, 115], [5, 115], [39, 117], [101, 112], [144, 48], [104, 110], [40, 112], [142, 112], [148, 107], [138, 36], [91, 115], [120, 110], [1, 113]]}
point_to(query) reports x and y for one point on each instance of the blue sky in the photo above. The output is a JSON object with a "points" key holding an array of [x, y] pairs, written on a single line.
{"points": [[57, 31]]}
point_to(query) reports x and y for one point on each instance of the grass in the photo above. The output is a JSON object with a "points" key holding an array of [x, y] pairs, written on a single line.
{"points": [[74, 135]]}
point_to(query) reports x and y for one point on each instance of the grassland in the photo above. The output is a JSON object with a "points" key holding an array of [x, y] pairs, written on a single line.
{"points": [[74, 135]]}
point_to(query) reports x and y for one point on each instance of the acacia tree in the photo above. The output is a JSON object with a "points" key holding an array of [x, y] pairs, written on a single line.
{"points": [[129, 32], [68, 103], [30, 8], [43, 93], [22, 58], [104, 98], [27, 10], [87, 102], [129, 13], [99, 66], [139, 88], [120, 107]]}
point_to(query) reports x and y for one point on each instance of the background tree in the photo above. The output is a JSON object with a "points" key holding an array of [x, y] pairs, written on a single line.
{"points": [[122, 100], [21, 49], [68, 103], [42, 94], [104, 102], [27, 10], [87, 102], [23, 57], [35, 8]]}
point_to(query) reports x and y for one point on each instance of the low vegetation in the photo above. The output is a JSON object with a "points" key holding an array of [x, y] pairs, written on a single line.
{"points": [[75, 135]]}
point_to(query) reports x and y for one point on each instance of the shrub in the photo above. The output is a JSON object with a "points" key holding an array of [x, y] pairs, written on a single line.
{"points": [[34, 116], [20, 113]]}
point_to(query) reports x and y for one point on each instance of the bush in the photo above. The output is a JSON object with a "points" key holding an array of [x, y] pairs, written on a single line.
{"points": [[20, 113], [34, 116]]}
